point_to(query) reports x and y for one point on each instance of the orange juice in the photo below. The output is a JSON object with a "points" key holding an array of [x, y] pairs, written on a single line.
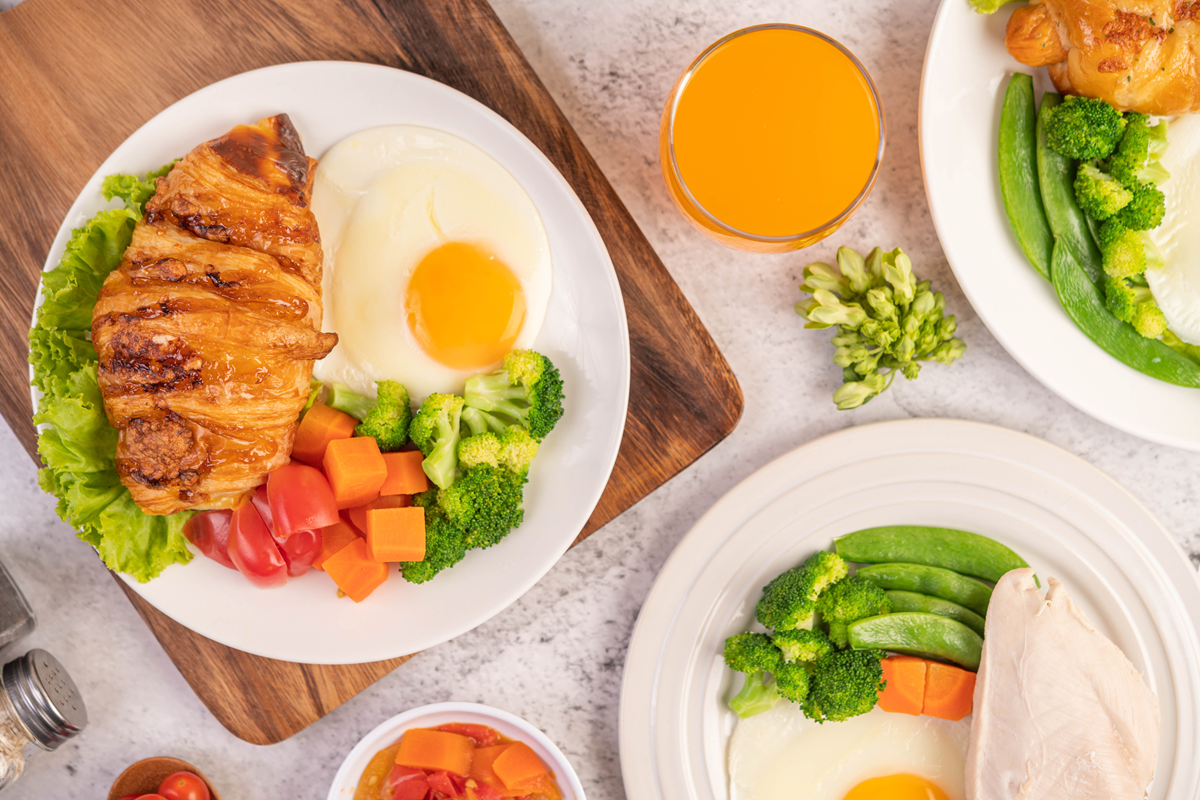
{"points": [[772, 138]]}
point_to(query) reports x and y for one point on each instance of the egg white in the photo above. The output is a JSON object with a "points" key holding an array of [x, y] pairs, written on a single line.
{"points": [[781, 753], [384, 198], [1176, 286]]}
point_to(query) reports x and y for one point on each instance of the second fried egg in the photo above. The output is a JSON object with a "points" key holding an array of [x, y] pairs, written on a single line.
{"points": [[436, 260]]}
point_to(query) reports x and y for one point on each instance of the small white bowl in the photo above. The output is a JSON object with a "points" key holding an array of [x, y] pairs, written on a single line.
{"points": [[510, 725]]}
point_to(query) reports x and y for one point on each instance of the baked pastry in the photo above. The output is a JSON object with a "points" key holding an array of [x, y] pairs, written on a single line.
{"points": [[208, 329]]}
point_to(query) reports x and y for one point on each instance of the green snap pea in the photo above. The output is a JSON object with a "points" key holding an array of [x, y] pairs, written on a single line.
{"points": [[963, 552], [933, 581], [1056, 178], [1019, 173], [911, 601], [1085, 306], [917, 634]]}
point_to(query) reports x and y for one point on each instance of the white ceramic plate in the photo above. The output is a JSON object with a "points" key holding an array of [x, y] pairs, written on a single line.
{"points": [[966, 73], [584, 334], [1067, 518], [510, 725]]}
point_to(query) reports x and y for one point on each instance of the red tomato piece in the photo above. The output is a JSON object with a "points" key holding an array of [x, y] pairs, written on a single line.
{"points": [[150, 797], [263, 506], [300, 550], [184, 786], [485, 792], [300, 500], [415, 789], [129, 797], [440, 782], [252, 549], [482, 734], [400, 774], [209, 531]]}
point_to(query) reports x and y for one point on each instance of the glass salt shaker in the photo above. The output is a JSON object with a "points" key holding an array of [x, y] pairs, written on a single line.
{"points": [[16, 617], [39, 705]]}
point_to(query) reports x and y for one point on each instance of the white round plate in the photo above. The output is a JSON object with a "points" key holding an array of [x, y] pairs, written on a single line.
{"points": [[584, 334], [1067, 518], [962, 88], [388, 733]]}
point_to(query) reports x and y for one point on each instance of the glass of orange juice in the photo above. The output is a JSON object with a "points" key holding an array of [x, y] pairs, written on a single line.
{"points": [[772, 138]]}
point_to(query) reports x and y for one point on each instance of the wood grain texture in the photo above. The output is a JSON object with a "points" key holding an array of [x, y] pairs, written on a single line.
{"points": [[74, 84]]}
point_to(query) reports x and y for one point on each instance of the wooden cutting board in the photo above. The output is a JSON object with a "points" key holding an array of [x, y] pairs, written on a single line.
{"points": [[76, 79]]}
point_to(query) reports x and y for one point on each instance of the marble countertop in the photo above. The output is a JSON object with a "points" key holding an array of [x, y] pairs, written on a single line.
{"points": [[555, 656]]}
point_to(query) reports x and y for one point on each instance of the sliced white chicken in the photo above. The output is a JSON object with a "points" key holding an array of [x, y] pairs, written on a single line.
{"points": [[1059, 710]]}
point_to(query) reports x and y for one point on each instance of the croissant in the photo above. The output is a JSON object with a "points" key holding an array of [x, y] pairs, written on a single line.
{"points": [[1139, 55], [207, 331]]}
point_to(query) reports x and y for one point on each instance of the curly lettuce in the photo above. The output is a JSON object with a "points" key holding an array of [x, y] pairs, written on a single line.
{"points": [[76, 443]]}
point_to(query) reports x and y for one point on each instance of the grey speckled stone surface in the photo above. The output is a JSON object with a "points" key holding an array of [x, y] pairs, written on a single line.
{"points": [[555, 656]]}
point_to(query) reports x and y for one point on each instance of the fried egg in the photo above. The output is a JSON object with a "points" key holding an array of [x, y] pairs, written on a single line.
{"points": [[877, 756], [1176, 286], [436, 260]]}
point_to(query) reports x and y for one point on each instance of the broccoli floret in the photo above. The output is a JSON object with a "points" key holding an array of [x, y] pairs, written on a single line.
{"points": [[484, 501], [348, 401], [757, 695], [802, 646], [1133, 303], [792, 681], [480, 448], [844, 684], [755, 655], [435, 429], [1084, 128], [527, 389], [1123, 251], [512, 447], [388, 419], [1132, 150], [1098, 193], [850, 600], [477, 421], [790, 600], [445, 542], [1145, 211], [517, 450]]}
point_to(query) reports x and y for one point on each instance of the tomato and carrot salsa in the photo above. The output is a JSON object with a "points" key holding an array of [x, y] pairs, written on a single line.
{"points": [[457, 760]]}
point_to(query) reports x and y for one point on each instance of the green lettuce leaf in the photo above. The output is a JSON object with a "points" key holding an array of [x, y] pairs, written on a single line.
{"points": [[76, 443]]}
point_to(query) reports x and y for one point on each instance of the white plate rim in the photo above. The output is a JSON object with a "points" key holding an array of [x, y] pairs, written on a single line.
{"points": [[88, 201], [639, 692]]}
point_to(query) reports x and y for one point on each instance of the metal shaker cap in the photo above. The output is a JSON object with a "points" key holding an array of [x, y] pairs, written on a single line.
{"points": [[45, 698]]}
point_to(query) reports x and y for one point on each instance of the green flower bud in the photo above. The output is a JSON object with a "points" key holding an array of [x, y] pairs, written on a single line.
{"points": [[855, 393], [946, 328], [897, 270], [948, 352], [875, 266], [905, 348], [879, 300], [911, 370], [846, 338], [923, 304], [854, 268], [819, 275]]}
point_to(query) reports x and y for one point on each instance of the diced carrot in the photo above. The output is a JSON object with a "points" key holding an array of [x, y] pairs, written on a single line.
{"points": [[396, 534], [320, 426], [355, 572], [481, 766], [333, 539], [404, 473], [355, 469], [949, 691], [905, 690], [435, 750], [359, 515], [518, 766]]}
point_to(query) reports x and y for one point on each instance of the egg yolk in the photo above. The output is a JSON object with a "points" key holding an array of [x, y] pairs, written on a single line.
{"points": [[464, 306], [896, 787]]}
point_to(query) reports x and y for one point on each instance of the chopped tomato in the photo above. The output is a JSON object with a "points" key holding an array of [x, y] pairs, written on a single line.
{"points": [[209, 531], [253, 550], [415, 789], [485, 792], [300, 500], [300, 550], [441, 783], [400, 774], [482, 734]]}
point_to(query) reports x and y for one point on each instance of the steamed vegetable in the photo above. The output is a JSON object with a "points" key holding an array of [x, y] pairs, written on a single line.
{"points": [[1019, 174], [790, 600], [844, 684], [963, 552], [912, 601], [914, 633], [1056, 179], [933, 581]]}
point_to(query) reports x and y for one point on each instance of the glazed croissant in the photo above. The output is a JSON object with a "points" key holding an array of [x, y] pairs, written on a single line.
{"points": [[208, 329], [1139, 55]]}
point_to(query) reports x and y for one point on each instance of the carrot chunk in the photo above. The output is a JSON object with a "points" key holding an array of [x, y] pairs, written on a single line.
{"points": [[355, 572], [333, 538], [905, 690], [404, 473], [355, 469], [518, 766], [320, 426], [396, 534], [436, 750], [949, 691], [359, 515]]}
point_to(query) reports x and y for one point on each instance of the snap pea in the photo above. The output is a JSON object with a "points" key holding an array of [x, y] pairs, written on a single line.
{"points": [[914, 633], [911, 601], [933, 581], [1056, 178], [965, 553], [1085, 306], [1019, 173]]}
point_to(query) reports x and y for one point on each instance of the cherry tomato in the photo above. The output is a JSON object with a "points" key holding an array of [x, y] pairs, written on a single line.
{"points": [[264, 508], [129, 797], [184, 786], [209, 531], [482, 734], [300, 550], [252, 549], [150, 797], [300, 500]]}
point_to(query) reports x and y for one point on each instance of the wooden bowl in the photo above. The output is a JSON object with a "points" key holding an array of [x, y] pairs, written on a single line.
{"points": [[144, 777]]}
